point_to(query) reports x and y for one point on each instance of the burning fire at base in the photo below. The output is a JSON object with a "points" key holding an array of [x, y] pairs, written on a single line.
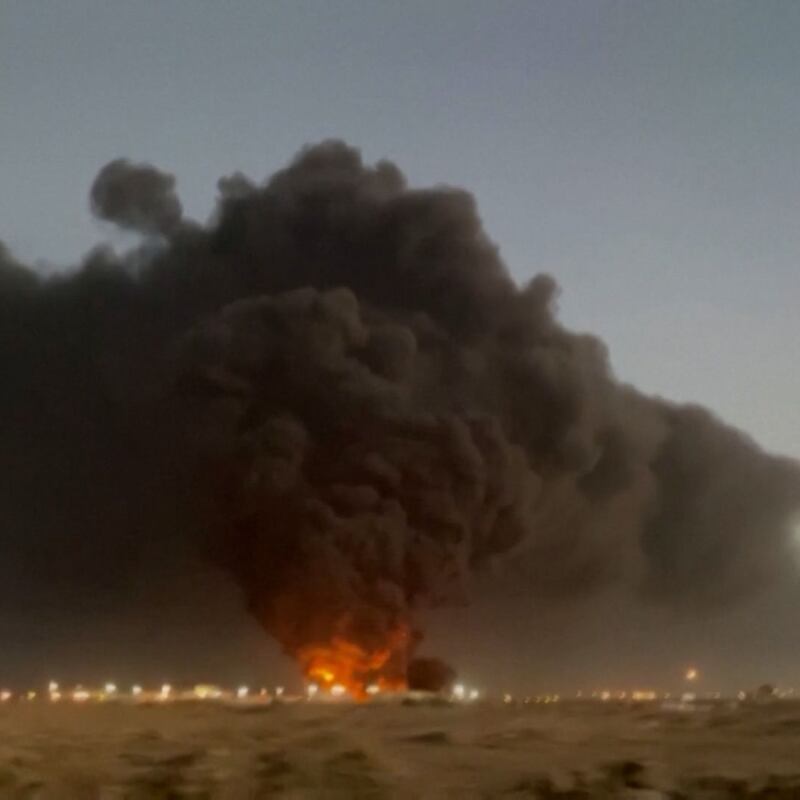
{"points": [[344, 667]]}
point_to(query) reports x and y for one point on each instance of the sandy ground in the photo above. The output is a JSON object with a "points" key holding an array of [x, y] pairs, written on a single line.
{"points": [[586, 750]]}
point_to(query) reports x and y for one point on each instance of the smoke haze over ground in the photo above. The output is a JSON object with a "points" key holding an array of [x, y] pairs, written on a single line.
{"points": [[335, 393]]}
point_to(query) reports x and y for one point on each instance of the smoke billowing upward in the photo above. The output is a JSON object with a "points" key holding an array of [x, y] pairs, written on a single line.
{"points": [[138, 197], [342, 365]]}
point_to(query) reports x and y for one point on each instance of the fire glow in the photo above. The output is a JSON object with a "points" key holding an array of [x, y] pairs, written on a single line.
{"points": [[350, 669]]}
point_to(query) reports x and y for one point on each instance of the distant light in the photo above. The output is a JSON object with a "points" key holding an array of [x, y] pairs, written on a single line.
{"points": [[52, 687], [742, 695], [166, 690], [242, 692], [474, 694], [507, 698], [373, 689], [31, 696], [205, 691], [136, 690], [5, 696], [110, 688], [55, 696], [80, 695], [337, 690], [278, 691], [312, 689], [691, 674], [605, 695], [459, 691]]}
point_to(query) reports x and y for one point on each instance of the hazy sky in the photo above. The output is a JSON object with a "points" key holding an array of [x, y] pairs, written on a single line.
{"points": [[644, 153]]}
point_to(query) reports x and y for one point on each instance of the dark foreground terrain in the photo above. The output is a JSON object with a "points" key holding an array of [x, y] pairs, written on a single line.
{"points": [[202, 750]]}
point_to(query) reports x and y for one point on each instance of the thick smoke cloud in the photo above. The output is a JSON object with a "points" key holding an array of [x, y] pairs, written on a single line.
{"points": [[430, 675], [338, 382]]}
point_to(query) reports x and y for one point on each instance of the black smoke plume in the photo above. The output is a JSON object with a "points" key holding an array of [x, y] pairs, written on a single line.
{"points": [[138, 197], [339, 384], [430, 675]]}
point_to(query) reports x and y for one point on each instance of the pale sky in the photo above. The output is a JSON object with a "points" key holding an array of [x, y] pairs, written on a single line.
{"points": [[645, 153]]}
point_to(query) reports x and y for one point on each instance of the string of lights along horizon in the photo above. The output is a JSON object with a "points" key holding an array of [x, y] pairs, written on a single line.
{"points": [[457, 693]]}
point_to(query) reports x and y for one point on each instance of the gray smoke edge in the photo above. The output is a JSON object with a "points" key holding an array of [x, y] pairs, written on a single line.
{"points": [[336, 391]]}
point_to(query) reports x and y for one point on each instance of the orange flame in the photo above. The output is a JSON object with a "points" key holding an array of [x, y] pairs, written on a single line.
{"points": [[347, 664]]}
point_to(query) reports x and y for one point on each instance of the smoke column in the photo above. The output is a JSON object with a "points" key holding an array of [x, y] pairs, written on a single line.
{"points": [[338, 390]]}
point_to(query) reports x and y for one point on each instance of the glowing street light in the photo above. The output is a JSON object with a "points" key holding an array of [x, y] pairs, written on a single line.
{"points": [[136, 690], [242, 692], [692, 674], [166, 690], [110, 688], [312, 689], [337, 690], [206, 691], [459, 691], [373, 689]]}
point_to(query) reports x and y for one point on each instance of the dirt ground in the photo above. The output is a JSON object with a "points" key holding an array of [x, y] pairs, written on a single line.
{"points": [[568, 750]]}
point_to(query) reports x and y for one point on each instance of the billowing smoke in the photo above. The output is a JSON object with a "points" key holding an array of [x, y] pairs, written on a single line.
{"points": [[138, 197], [372, 410], [430, 675]]}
